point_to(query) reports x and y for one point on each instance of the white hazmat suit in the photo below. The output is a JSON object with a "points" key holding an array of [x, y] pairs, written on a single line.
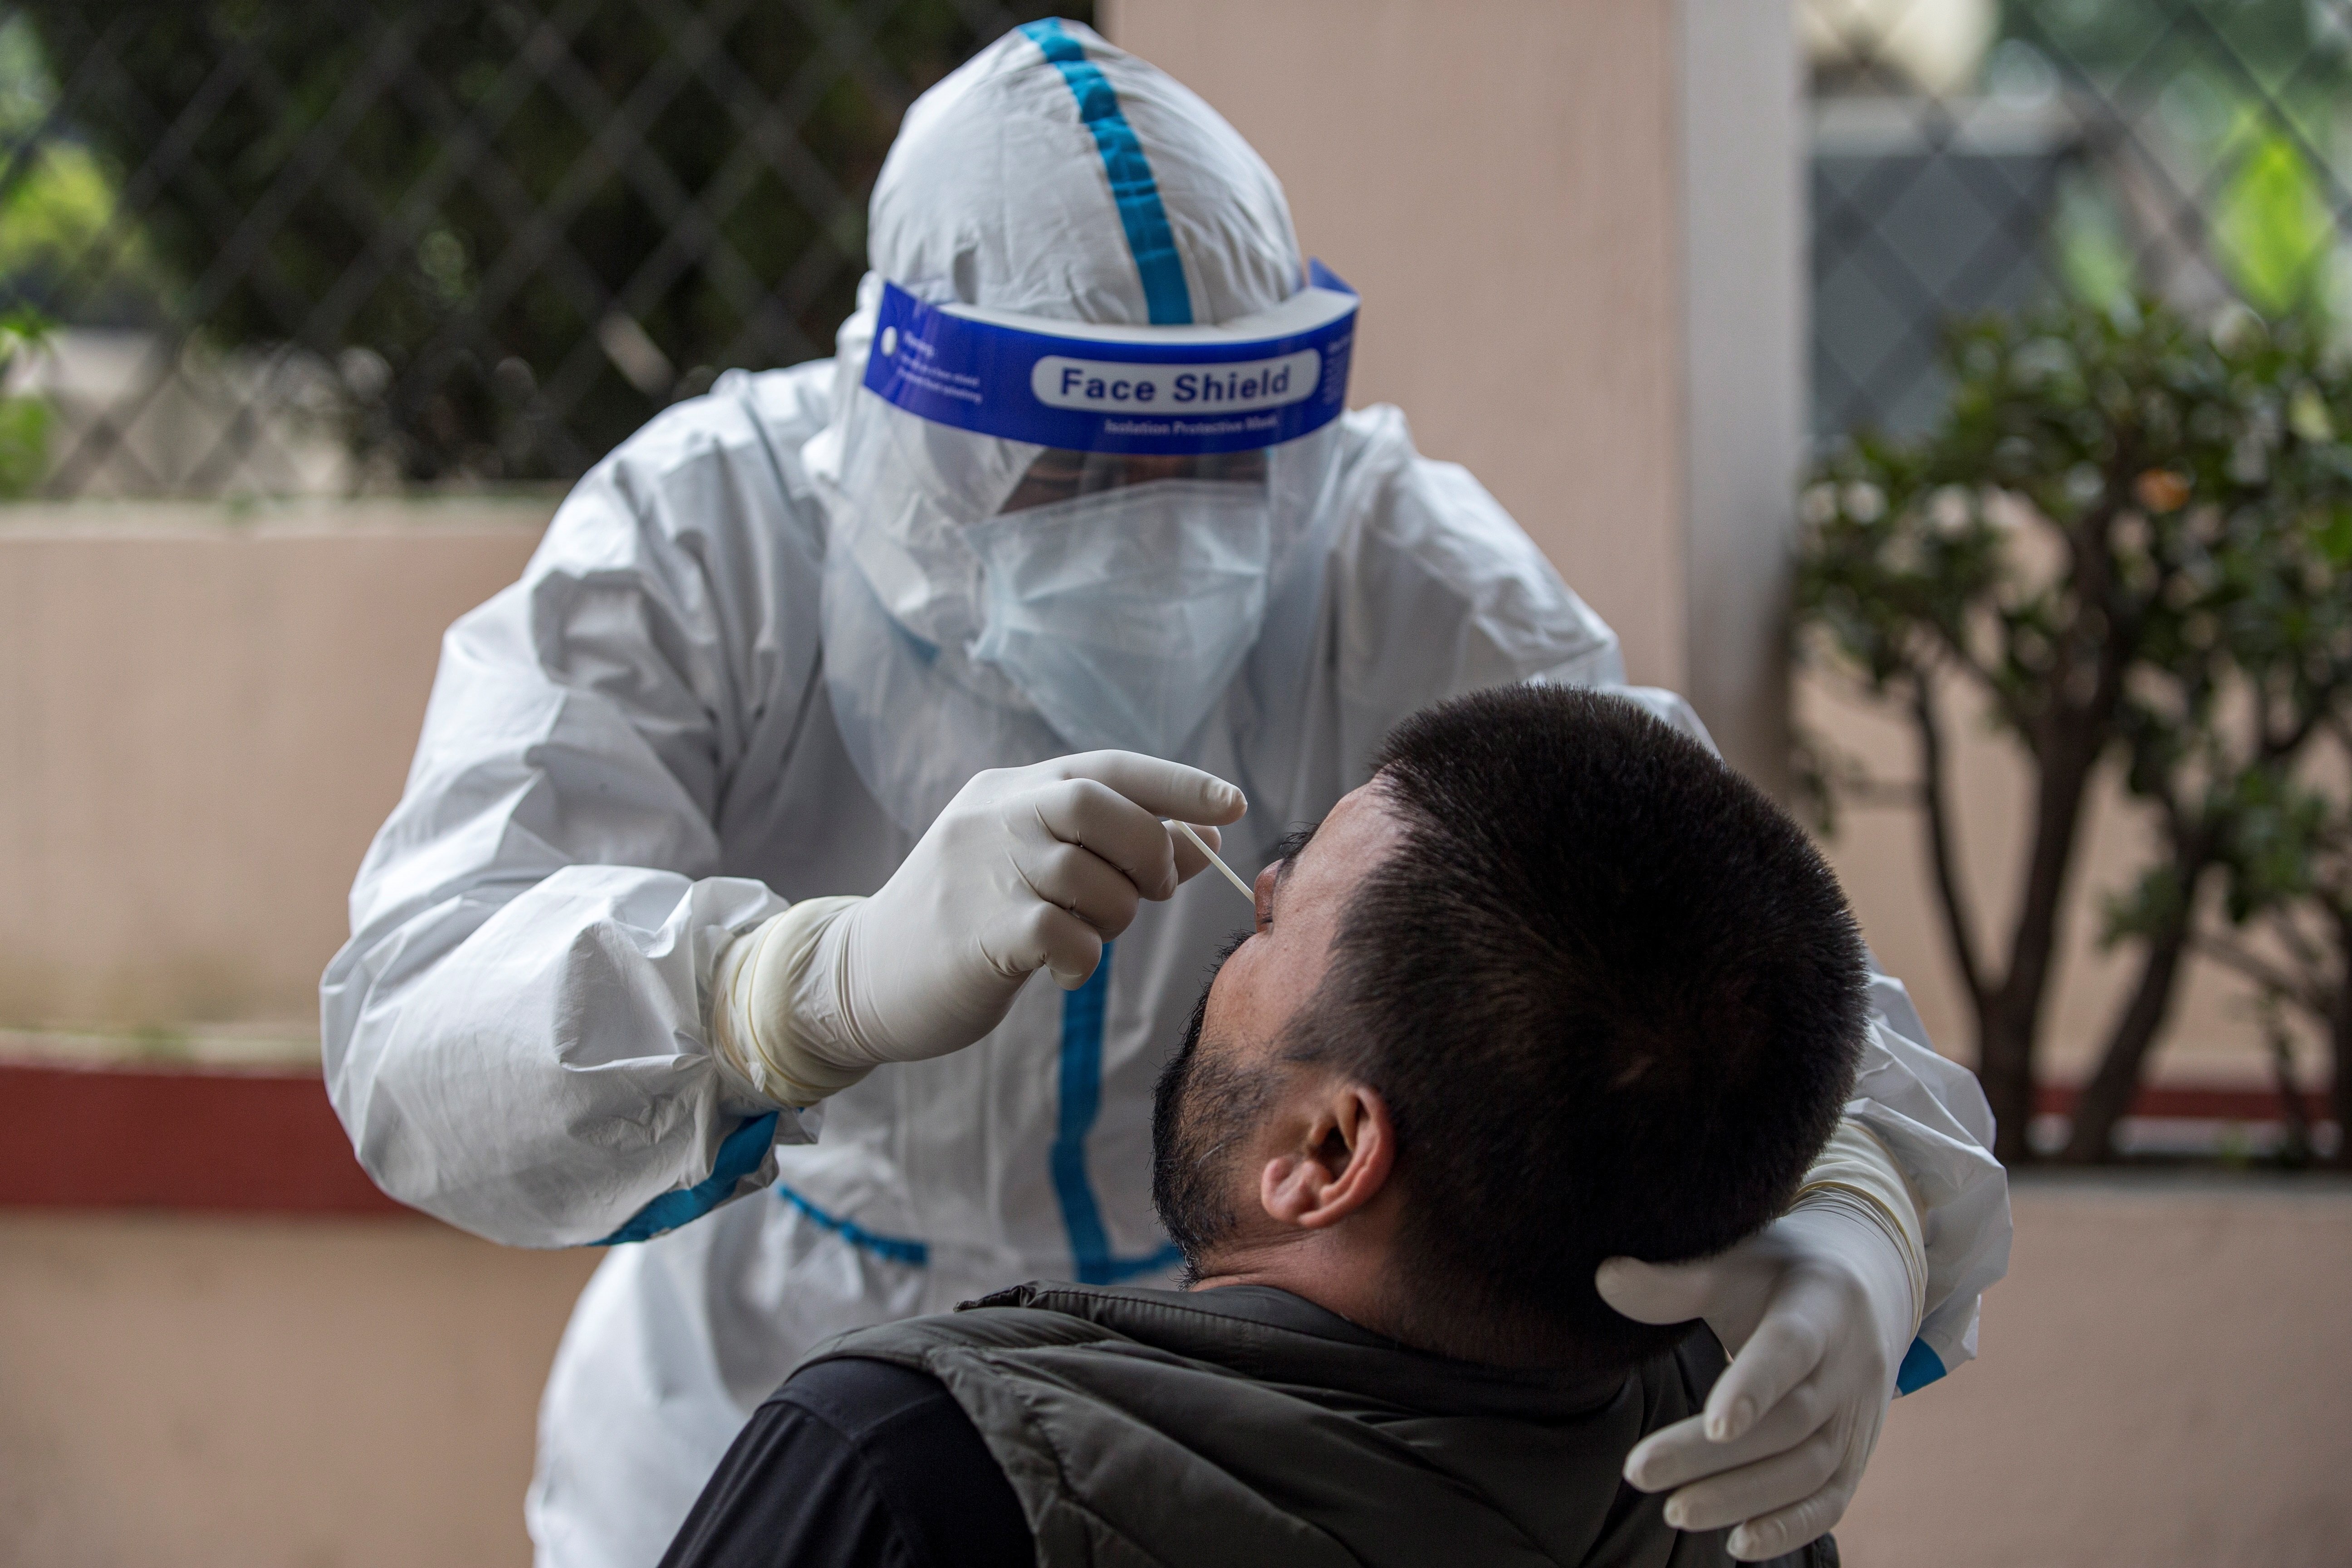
{"points": [[757, 648]]}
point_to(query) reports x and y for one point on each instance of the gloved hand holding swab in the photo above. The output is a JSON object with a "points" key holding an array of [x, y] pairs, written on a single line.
{"points": [[1203, 846], [1027, 868]]}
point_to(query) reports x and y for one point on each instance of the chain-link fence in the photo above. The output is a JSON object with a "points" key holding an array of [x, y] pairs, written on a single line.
{"points": [[368, 244], [1972, 154], [254, 247]]}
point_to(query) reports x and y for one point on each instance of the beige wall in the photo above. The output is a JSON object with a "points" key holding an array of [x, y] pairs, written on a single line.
{"points": [[205, 719], [2164, 1384], [1577, 230], [288, 1393], [1498, 179]]}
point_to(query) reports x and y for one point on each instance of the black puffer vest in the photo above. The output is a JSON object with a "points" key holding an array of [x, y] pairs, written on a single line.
{"points": [[1245, 1427]]}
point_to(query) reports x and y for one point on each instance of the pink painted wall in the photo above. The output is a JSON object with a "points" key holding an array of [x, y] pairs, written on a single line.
{"points": [[206, 717], [1503, 189]]}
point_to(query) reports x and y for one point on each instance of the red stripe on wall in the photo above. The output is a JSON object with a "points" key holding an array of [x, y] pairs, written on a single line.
{"points": [[111, 1138], [149, 1137], [2193, 1102]]}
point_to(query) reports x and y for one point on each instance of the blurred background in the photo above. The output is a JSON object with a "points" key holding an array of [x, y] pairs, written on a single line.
{"points": [[309, 314]]}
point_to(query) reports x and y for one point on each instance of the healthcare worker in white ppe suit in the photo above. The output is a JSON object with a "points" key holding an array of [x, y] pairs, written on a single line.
{"points": [[839, 702]]}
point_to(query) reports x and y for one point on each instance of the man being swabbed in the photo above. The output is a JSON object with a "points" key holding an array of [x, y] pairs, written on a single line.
{"points": [[1555, 986]]}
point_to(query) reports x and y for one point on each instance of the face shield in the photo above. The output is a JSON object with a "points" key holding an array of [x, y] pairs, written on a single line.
{"points": [[1078, 525]]}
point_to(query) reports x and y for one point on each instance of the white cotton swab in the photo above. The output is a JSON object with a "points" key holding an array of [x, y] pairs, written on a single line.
{"points": [[1201, 845]]}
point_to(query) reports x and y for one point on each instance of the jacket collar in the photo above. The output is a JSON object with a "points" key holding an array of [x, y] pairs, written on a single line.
{"points": [[1275, 1336]]}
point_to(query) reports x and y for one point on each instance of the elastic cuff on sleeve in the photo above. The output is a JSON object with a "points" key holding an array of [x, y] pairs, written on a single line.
{"points": [[757, 986], [1857, 1172]]}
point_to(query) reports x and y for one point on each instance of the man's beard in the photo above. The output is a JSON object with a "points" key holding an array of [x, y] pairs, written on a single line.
{"points": [[1202, 1112]]}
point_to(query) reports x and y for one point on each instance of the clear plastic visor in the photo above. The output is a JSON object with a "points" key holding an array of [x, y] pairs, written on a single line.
{"points": [[929, 450], [1057, 475]]}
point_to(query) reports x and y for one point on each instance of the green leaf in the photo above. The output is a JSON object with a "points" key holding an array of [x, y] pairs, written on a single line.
{"points": [[2273, 224], [24, 445]]}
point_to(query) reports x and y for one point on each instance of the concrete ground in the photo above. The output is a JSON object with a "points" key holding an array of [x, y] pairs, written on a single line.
{"points": [[2165, 1384]]}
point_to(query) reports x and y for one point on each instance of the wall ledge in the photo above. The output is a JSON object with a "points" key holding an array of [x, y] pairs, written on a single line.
{"points": [[293, 517], [264, 1139]]}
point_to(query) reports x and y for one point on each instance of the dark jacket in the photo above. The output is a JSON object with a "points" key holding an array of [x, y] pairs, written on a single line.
{"points": [[1245, 1426]]}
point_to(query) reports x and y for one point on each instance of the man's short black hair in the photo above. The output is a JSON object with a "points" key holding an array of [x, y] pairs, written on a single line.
{"points": [[1613, 997]]}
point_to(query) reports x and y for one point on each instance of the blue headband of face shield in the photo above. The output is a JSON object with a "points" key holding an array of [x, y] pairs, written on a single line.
{"points": [[1168, 391]]}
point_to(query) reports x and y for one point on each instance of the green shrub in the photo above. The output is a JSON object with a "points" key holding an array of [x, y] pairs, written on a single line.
{"points": [[2129, 539]]}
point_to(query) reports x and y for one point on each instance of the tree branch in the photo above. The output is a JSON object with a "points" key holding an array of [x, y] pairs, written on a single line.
{"points": [[2313, 715], [1957, 917], [2339, 1036], [2233, 954], [2108, 1096], [1955, 649]]}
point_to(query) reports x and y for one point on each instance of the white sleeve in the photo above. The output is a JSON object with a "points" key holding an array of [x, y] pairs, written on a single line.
{"points": [[514, 1036], [1933, 1118]]}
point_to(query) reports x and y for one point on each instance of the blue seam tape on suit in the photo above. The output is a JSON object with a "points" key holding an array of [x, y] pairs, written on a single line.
{"points": [[1921, 1366], [738, 1155], [891, 1248], [1081, 1101], [1132, 188]]}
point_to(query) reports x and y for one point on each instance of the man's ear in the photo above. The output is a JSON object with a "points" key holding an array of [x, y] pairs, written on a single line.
{"points": [[1341, 1162]]}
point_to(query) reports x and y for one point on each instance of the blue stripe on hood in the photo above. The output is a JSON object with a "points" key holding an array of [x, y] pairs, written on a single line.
{"points": [[1149, 238]]}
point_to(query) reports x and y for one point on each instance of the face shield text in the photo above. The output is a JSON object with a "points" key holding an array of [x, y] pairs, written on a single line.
{"points": [[1102, 386]]}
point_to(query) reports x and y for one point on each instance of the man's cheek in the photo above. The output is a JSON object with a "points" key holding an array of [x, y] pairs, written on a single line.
{"points": [[1231, 993]]}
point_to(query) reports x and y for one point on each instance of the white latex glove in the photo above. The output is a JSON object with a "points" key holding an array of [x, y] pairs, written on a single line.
{"points": [[1817, 1309], [1027, 868]]}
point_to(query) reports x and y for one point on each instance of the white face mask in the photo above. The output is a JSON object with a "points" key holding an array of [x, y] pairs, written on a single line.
{"points": [[1123, 616]]}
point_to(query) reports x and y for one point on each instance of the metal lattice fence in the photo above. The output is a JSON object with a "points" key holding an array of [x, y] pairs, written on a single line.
{"points": [[1975, 154], [250, 248], [372, 244]]}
